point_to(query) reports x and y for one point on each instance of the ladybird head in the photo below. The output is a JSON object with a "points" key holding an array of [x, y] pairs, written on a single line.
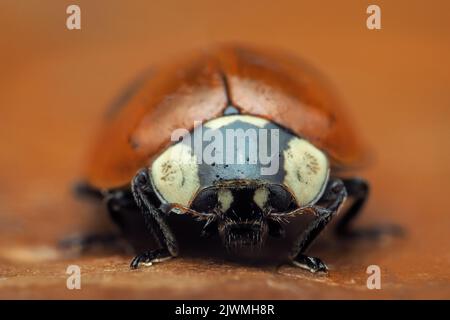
{"points": [[242, 210]]}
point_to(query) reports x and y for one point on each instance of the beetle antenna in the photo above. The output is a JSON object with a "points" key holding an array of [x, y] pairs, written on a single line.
{"points": [[199, 216], [283, 216]]}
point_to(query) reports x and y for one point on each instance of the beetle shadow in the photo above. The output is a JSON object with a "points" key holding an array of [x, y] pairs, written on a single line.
{"points": [[359, 241], [276, 251]]}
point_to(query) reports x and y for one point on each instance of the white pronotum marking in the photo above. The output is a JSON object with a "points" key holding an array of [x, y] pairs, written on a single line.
{"points": [[226, 120], [307, 171], [175, 174]]}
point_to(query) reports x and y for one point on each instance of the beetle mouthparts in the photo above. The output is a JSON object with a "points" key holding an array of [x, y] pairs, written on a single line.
{"points": [[237, 235]]}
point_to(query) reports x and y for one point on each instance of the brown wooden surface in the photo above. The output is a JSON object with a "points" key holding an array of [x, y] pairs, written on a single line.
{"points": [[55, 85]]}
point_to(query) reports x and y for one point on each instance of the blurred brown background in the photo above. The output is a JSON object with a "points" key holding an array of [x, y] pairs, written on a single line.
{"points": [[55, 85]]}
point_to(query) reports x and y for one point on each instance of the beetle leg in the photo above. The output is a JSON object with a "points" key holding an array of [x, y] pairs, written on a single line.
{"points": [[149, 257], [155, 221], [108, 239], [119, 203], [358, 189], [334, 195]]}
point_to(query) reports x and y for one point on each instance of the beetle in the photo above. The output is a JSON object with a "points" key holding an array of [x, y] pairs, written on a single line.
{"points": [[131, 163]]}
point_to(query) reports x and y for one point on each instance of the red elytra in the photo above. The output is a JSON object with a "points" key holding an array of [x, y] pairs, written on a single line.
{"points": [[268, 84]]}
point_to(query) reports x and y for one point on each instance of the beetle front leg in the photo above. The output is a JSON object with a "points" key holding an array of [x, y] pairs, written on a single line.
{"points": [[155, 221], [334, 195]]}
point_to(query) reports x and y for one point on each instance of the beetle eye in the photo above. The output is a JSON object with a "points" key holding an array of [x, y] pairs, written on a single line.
{"points": [[205, 201], [280, 199]]}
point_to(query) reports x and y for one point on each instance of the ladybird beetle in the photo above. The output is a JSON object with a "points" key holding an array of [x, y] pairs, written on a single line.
{"points": [[221, 90]]}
